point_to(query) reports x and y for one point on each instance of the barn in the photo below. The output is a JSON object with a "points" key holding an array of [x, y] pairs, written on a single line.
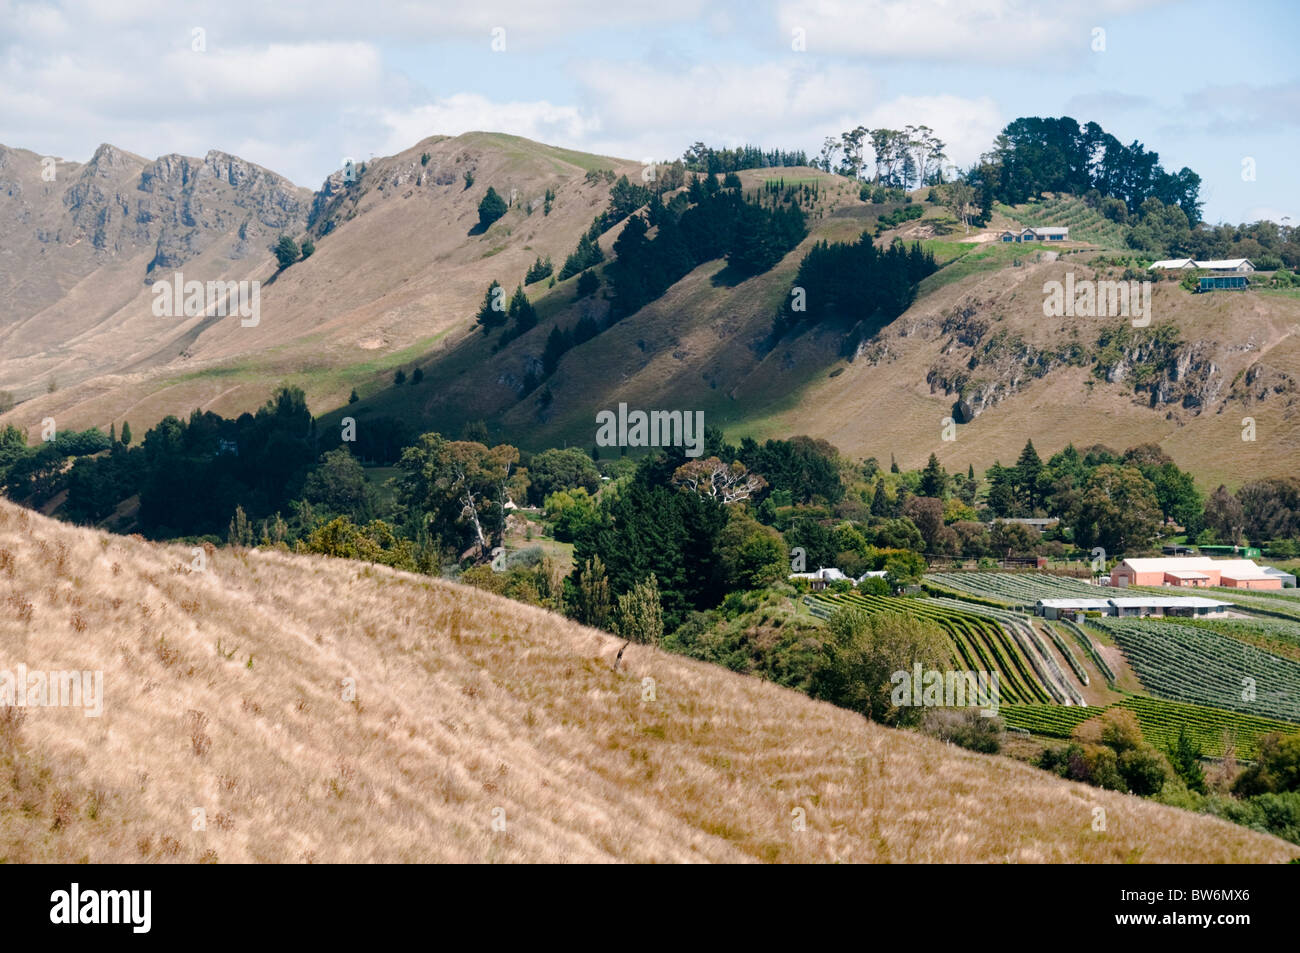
{"points": [[1193, 572]]}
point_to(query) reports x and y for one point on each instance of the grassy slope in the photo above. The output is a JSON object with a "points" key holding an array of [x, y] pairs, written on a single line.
{"points": [[466, 703], [397, 283]]}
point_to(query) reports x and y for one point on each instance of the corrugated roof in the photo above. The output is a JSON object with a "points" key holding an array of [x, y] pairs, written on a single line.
{"points": [[1167, 602]]}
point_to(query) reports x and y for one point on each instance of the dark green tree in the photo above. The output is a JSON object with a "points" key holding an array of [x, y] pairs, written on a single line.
{"points": [[490, 208]]}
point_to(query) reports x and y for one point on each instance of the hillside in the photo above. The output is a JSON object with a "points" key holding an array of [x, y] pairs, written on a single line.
{"points": [[81, 243], [401, 267], [224, 692]]}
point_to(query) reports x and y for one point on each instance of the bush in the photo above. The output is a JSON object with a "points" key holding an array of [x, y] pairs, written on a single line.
{"points": [[965, 727], [863, 651], [873, 586], [1276, 768]]}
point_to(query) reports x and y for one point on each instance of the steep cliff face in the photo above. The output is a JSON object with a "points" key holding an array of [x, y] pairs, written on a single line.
{"points": [[81, 242], [120, 205]]}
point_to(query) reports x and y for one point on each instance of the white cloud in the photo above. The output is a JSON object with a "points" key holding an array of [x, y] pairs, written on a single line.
{"points": [[967, 126], [467, 112], [989, 31], [1268, 213], [658, 111]]}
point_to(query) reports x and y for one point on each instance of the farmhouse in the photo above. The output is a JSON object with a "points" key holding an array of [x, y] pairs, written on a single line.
{"points": [[1241, 266], [1130, 608], [1045, 234], [1193, 572]]}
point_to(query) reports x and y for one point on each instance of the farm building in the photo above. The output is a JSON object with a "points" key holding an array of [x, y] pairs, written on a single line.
{"points": [[1178, 606], [1288, 578], [1241, 266], [1049, 234], [1225, 265], [820, 579], [1222, 283], [1193, 572]]}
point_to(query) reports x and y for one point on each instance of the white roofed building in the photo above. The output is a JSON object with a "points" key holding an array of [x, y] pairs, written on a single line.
{"points": [[1193, 571]]}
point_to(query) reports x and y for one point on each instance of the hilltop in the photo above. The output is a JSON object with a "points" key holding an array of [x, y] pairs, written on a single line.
{"points": [[228, 688]]}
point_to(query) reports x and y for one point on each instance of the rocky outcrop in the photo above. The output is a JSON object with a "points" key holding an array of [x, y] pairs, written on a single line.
{"points": [[181, 205]]}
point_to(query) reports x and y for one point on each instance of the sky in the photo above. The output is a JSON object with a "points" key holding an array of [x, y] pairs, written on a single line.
{"points": [[297, 87]]}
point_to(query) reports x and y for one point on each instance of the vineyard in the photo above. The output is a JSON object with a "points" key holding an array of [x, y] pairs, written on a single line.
{"points": [[979, 643], [1022, 628], [1160, 721], [1279, 636], [1017, 588], [1085, 224], [1193, 664]]}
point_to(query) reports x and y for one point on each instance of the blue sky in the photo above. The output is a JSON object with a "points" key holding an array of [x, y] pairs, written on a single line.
{"points": [[297, 86]]}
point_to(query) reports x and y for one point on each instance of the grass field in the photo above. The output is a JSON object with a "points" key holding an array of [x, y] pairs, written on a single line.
{"points": [[231, 690]]}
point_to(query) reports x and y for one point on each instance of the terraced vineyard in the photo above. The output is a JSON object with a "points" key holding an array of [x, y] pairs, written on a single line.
{"points": [[1024, 630], [1160, 721], [1018, 588], [1085, 224], [979, 643], [1193, 664]]}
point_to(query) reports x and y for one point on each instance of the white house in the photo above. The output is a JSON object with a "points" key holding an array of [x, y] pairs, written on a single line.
{"points": [[821, 578], [1234, 265], [1237, 265], [1043, 234]]}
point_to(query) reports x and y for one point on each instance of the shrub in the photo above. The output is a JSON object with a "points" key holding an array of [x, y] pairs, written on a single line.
{"points": [[1276, 768], [965, 727]]}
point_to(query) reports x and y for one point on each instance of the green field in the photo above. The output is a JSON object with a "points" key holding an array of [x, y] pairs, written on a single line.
{"points": [[1194, 664], [1017, 588], [979, 643], [1085, 224], [1160, 721]]}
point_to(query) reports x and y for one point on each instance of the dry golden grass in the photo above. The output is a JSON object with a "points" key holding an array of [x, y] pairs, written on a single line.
{"points": [[225, 691]]}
